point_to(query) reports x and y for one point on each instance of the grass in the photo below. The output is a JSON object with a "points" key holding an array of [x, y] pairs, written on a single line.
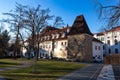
{"points": [[8, 63], [46, 70]]}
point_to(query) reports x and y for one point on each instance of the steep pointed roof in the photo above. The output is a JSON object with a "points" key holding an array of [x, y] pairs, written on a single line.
{"points": [[80, 26]]}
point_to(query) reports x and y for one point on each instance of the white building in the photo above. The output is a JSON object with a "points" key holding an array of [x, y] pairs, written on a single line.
{"points": [[111, 40], [54, 42], [76, 42], [97, 47]]}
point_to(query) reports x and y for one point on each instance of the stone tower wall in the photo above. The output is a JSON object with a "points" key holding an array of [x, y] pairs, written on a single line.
{"points": [[80, 47]]}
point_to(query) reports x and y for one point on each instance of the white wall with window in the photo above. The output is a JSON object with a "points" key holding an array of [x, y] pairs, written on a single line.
{"points": [[111, 40], [61, 49], [45, 49], [97, 50]]}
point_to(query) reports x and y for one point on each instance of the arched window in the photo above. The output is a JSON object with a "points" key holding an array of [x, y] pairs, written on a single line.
{"points": [[116, 42]]}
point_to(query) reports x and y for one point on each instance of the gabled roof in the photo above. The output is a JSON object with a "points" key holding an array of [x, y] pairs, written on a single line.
{"points": [[80, 26], [96, 40]]}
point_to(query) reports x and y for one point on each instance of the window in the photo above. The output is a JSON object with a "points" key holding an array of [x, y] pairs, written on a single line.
{"points": [[102, 38], [116, 42], [108, 42], [95, 47], [61, 43], [46, 47], [57, 36], [116, 50], [115, 36], [103, 47], [99, 48], [49, 46], [109, 51], [45, 37], [63, 35], [55, 44], [53, 36], [65, 43], [41, 46], [48, 37], [41, 38]]}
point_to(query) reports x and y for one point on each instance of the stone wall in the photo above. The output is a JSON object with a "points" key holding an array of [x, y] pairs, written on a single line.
{"points": [[80, 47]]}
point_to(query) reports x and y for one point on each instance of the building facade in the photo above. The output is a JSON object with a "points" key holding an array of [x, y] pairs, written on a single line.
{"points": [[111, 40], [75, 43]]}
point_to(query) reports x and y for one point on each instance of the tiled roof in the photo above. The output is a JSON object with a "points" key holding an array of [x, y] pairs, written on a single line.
{"points": [[111, 30], [80, 26], [50, 31], [99, 34], [115, 29]]}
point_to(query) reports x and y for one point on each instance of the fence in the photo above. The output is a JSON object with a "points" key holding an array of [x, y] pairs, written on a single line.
{"points": [[113, 59]]}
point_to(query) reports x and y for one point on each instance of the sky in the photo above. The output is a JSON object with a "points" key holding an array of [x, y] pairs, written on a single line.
{"points": [[67, 9]]}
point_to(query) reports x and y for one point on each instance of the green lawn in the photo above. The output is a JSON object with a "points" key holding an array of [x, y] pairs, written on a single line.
{"points": [[8, 63], [47, 70]]}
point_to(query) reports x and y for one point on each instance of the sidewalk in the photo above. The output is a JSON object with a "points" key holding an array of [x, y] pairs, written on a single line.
{"points": [[106, 73], [89, 72]]}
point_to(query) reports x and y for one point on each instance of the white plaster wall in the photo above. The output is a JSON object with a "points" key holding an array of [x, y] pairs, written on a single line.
{"points": [[97, 52], [60, 51], [47, 48], [110, 36]]}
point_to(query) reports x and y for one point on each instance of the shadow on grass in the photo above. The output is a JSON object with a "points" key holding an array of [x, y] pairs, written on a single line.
{"points": [[30, 77], [9, 63]]}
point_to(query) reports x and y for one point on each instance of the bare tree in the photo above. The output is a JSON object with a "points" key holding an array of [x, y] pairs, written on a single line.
{"points": [[35, 20], [15, 20], [111, 13], [58, 22]]}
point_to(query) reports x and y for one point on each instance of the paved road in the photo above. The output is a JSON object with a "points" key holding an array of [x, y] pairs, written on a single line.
{"points": [[89, 72]]}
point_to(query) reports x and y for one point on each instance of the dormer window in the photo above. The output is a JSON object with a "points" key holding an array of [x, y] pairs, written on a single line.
{"points": [[45, 37], [68, 30], [48, 37], [41, 38], [63, 35], [57, 36], [53, 36]]}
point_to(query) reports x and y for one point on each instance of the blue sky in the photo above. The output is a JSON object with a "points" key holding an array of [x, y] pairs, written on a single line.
{"points": [[67, 9]]}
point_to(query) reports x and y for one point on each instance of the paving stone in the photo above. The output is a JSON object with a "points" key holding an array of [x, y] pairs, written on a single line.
{"points": [[106, 73]]}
